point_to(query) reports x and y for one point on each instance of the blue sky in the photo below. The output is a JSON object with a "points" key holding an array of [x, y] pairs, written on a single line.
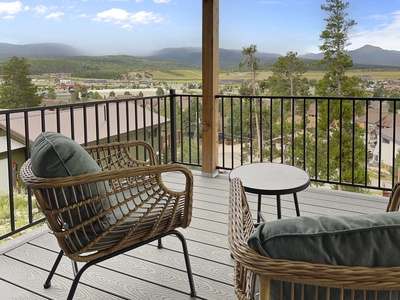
{"points": [[139, 27]]}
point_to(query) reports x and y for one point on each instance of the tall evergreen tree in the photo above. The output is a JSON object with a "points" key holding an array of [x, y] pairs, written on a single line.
{"points": [[287, 80], [335, 37], [253, 63], [250, 88], [339, 145], [287, 76], [17, 90]]}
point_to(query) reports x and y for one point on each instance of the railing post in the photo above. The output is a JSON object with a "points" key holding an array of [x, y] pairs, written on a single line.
{"points": [[10, 172], [172, 118]]}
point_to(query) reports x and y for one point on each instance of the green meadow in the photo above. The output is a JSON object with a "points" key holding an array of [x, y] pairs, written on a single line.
{"points": [[182, 76]]}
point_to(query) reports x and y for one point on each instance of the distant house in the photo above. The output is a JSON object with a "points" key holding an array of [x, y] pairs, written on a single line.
{"points": [[99, 125], [387, 143], [371, 123], [373, 118], [116, 124], [387, 121], [17, 157]]}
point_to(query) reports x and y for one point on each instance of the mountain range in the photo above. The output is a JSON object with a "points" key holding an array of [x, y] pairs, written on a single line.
{"points": [[367, 55], [37, 50]]}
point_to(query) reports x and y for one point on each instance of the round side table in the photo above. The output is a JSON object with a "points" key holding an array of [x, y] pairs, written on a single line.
{"points": [[272, 179]]}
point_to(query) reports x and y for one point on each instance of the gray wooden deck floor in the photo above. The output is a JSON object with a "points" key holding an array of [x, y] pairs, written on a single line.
{"points": [[151, 273]]}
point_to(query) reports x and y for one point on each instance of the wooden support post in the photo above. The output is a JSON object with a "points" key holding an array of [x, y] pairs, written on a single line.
{"points": [[210, 61]]}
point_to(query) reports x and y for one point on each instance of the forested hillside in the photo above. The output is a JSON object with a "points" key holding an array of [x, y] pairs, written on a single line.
{"points": [[107, 67], [115, 67]]}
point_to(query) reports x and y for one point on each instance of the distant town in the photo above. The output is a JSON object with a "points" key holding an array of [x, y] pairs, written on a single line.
{"points": [[67, 90]]}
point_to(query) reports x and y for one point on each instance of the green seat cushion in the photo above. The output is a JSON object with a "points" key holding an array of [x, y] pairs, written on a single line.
{"points": [[335, 240], [366, 240], [55, 155]]}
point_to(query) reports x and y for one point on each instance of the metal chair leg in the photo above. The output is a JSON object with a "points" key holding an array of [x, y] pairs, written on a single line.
{"points": [[77, 277], [159, 244], [93, 262], [47, 283], [187, 262], [74, 267]]}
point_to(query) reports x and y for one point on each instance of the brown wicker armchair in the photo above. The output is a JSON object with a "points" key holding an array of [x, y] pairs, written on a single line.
{"points": [[292, 278], [99, 215]]}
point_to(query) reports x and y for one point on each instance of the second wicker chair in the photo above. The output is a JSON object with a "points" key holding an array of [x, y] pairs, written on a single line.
{"points": [[294, 279]]}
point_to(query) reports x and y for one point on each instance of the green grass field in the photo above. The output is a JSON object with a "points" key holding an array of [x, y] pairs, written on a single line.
{"points": [[183, 76], [186, 76]]}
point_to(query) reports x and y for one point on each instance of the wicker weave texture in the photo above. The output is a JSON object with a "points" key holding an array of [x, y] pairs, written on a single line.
{"points": [[129, 202], [347, 282]]}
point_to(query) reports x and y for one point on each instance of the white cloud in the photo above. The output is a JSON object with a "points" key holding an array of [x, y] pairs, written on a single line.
{"points": [[120, 16], [144, 17], [386, 35], [42, 9], [112, 15], [127, 26], [10, 8], [378, 17], [162, 1], [55, 15]]}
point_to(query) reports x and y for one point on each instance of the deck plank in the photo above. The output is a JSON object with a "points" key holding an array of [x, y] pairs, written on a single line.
{"points": [[7, 288]]}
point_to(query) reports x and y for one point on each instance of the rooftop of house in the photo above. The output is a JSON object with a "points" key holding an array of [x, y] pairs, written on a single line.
{"points": [[139, 118]]}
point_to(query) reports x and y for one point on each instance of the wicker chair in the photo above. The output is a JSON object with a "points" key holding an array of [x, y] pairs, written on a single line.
{"points": [[139, 207], [345, 282]]}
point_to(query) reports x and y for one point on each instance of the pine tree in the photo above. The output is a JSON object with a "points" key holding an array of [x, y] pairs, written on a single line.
{"points": [[287, 76], [335, 37], [339, 147], [17, 90], [253, 64]]}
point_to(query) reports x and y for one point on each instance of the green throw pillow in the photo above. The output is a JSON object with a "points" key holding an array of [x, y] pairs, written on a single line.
{"points": [[55, 155]]}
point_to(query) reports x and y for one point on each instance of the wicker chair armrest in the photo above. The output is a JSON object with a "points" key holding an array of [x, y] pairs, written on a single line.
{"points": [[122, 154], [394, 199], [40, 182]]}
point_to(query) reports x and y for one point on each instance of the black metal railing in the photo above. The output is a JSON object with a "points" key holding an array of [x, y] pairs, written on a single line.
{"points": [[153, 119], [347, 143]]}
